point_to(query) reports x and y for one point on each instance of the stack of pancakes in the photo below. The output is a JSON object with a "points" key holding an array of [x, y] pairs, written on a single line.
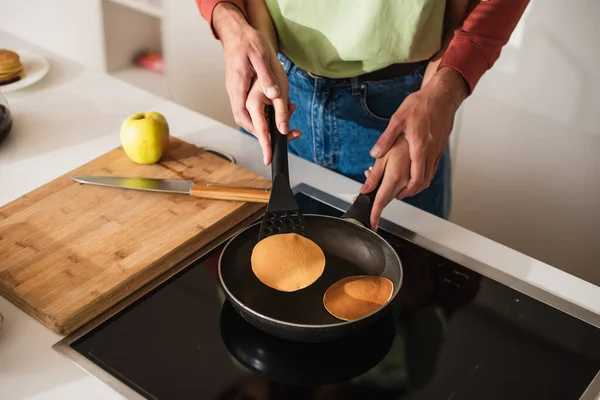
{"points": [[11, 69]]}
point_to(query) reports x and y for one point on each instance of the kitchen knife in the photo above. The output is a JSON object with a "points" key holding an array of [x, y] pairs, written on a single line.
{"points": [[189, 187]]}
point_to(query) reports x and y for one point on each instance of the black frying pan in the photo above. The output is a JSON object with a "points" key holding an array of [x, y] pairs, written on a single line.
{"points": [[350, 249], [306, 364]]}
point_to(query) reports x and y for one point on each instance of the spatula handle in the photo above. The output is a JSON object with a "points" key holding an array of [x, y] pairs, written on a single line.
{"points": [[282, 198], [361, 209], [232, 193], [279, 145]]}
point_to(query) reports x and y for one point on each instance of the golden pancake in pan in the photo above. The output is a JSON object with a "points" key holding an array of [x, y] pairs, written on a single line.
{"points": [[354, 297], [287, 262]]}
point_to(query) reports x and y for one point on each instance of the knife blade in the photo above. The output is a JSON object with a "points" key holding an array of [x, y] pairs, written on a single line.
{"points": [[181, 186]]}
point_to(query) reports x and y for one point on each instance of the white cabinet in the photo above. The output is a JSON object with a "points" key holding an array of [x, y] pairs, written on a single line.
{"points": [[108, 34], [130, 27], [195, 65], [194, 68]]}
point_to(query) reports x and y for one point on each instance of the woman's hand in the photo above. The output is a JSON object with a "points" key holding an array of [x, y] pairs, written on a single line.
{"points": [[394, 167], [255, 104]]}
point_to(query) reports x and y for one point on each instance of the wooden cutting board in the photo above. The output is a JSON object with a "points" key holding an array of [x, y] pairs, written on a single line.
{"points": [[70, 251]]}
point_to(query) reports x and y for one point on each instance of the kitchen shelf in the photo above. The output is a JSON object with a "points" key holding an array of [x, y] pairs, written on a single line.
{"points": [[148, 80], [148, 7]]}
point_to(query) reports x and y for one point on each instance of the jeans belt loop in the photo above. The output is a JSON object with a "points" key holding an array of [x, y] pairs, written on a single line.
{"points": [[355, 83], [285, 61]]}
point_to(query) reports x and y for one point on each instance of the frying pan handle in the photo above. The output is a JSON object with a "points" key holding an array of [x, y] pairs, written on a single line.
{"points": [[279, 145], [361, 209]]}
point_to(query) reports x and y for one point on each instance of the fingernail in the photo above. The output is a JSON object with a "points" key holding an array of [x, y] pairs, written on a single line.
{"points": [[283, 128], [272, 91], [375, 151], [366, 187], [371, 168], [297, 134]]}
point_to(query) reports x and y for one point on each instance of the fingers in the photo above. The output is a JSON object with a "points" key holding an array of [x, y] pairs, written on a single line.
{"points": [[264, 73], [256, 108], [387, 139], [432, 164], [387, 191], [294, 134], [373, 175], [282, 116], [393, 171], [238, 85], [417, 171]]}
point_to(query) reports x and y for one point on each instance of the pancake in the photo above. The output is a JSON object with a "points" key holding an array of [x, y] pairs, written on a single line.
{"points": [[287, 262], [354, 297], [8, 58], [11, 68], [9, 80]]}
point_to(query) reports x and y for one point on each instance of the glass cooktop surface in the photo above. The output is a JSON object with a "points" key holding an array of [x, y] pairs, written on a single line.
{"points": [[451, 334]]}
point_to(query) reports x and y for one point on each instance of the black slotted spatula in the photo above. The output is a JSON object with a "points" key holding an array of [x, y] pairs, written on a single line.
{"points": [[283, 214]]}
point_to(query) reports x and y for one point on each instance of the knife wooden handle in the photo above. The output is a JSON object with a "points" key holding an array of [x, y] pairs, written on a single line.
{"points": [[234, 193]]}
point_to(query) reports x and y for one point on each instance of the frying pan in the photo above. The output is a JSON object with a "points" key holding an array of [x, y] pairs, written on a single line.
{"points": [[305, 364], [350, 248]]}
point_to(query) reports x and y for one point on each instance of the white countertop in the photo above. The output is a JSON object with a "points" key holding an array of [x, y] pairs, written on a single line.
{"points": [[74, 115]]}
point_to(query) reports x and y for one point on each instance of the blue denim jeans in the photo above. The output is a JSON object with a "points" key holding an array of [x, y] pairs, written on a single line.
{"points": [[341, 119]]}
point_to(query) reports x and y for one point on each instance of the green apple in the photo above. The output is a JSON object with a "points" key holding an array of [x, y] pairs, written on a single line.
{"points": [[145, 137]]}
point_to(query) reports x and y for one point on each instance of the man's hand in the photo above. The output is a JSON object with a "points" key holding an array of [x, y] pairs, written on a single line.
{"points": [[249, 58], [255, 104], [394, 167], [425, 119]]}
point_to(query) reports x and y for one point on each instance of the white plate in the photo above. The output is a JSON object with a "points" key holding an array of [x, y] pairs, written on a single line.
{"points": [[35, 66]]}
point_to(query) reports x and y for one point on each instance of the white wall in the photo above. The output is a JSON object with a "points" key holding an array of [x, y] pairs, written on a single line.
{"points": [[71, 28], [196, 69], [528, 157]]}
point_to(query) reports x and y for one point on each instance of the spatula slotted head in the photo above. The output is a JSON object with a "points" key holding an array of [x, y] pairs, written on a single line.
{"points": [[283, 214], [282, 222]]}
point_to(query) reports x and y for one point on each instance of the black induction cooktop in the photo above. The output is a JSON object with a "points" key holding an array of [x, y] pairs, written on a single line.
{"points": [[452, 334]]}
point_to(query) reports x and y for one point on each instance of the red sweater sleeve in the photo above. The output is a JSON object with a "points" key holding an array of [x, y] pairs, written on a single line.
{"points": [[206, 8], [476, 46]]}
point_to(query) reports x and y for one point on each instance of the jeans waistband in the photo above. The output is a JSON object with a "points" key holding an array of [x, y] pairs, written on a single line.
{"points": [[289, 66]]}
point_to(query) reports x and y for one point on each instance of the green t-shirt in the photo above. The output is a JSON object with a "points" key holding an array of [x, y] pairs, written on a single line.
{"points": [[346, 38]]}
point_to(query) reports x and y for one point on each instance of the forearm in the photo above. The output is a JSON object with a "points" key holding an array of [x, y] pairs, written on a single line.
{"points": [[260, 19], [228, 21], [474, 34], [454, 16], [207, 8], [476, 45]]}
